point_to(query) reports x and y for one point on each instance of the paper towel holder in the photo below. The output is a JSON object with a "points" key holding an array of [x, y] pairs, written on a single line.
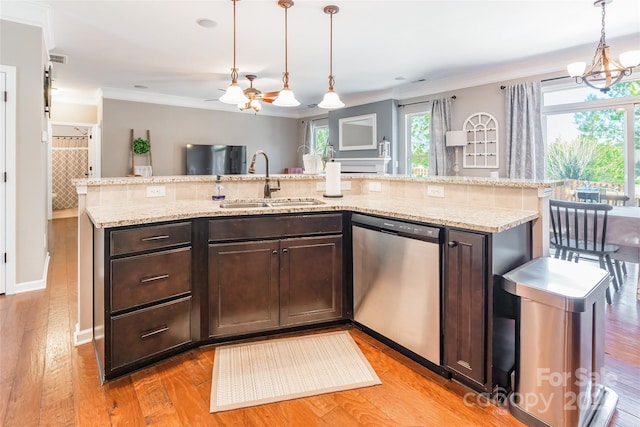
{"points": [[332, 196]]}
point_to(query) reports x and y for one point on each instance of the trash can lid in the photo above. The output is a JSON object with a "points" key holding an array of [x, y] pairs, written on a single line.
{"points": [[562, 284]]}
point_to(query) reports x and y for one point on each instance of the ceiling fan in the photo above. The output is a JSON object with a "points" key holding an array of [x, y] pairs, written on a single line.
{"points": [[255, 96]]}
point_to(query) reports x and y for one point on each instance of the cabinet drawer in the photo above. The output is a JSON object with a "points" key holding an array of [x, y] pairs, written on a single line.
{"points": [[147, 278], [274, 227], [150, 237], [150, 331]]}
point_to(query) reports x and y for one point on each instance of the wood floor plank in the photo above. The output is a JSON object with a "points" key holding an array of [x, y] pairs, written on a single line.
{"points": [[124, 408], [90, 404]]}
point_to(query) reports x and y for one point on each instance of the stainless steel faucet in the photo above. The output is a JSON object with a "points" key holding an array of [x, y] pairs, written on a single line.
{"points": [[267, 184]]}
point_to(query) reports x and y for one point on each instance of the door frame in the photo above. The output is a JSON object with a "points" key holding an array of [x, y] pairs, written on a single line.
{"points": [[93, 155], [8, 229]]}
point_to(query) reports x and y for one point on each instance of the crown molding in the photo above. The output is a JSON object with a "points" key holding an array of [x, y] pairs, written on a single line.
{"points": [[30, 13]]}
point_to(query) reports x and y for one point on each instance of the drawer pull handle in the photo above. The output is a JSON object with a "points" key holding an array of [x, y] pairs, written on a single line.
{"points": [[150, 239], [154, 278], [153, 332]]}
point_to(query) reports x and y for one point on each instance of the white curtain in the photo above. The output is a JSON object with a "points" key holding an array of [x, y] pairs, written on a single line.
{"points": [[440, 160], [525, 145]]}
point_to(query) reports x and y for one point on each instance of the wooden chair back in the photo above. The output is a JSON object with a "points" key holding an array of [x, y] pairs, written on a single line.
{"points": [[579, 227]]}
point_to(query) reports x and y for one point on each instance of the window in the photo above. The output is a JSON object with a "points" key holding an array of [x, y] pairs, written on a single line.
{"points": [[594, 139], [417, 135], [320, 136]]}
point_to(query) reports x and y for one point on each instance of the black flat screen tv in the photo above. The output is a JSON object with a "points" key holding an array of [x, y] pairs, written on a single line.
{"points": [[216, 159]]}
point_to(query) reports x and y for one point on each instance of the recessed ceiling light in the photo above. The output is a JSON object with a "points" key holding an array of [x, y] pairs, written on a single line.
{"points": [[141, 87], [400, 78], [206, 23]]}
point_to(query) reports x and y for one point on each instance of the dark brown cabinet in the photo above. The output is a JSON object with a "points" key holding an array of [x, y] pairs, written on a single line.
{"points": [[465, 297], [478, 315], [142, 294], [243, 287], [310, 280], [268, 284]]}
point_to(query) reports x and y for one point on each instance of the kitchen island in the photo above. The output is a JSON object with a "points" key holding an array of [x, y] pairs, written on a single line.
{"points": [[491, 212]]}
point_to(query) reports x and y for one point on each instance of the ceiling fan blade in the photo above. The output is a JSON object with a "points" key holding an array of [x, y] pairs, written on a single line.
{"points": [[272, 95]]}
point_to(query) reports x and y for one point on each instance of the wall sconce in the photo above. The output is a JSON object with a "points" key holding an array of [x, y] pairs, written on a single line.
{"points": [[456, 139]]}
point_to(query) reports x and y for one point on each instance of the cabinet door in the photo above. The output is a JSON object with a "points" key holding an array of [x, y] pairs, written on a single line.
{"points": [[310, 279], [465, 306], [243, 287]]}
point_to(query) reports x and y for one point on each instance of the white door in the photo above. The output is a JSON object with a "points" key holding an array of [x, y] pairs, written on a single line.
{"points": [[3, 184]]}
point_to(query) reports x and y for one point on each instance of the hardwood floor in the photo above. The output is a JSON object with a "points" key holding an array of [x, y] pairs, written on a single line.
{"points": [[45, 381]]}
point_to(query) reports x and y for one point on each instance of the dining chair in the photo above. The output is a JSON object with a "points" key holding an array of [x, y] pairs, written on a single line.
{"points": [[581, 229]]}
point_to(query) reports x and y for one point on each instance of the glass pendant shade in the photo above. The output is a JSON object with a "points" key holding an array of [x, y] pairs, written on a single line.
{"points": [[286, 98], [576, 69], [234, 95], [630, 59], [331, 100]]}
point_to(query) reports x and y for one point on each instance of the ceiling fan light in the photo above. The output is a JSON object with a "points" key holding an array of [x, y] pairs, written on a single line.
{"points": [[286, 98], [331, 100], [576, 69], [234, 95], [630, 59]]}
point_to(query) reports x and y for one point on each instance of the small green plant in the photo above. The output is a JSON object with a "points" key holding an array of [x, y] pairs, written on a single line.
{"points": [[141, 146]]}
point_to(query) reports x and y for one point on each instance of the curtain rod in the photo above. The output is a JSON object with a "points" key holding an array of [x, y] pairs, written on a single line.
{"points": [[545, 80], [421, 102]]}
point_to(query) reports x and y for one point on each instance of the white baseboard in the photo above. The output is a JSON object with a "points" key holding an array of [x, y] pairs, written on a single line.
{"points": [[34, 285], [82, 337]]}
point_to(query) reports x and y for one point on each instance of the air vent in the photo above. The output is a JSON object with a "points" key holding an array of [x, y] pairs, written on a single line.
{"points": [[59, 59]]}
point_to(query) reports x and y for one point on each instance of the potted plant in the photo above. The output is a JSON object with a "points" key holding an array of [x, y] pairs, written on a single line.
{"points": [[141, 146]]}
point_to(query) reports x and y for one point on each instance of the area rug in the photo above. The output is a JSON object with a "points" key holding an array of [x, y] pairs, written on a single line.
{"points": [[288, 368]]}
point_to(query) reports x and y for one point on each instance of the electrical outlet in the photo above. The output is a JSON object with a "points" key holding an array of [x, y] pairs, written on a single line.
{"points": [[156, 191], [321, 186], [435, 190], [375, 186], [345, 185]]}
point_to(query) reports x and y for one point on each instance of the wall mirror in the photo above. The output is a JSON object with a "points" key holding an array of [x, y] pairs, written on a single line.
{"points": [[358, 133]]}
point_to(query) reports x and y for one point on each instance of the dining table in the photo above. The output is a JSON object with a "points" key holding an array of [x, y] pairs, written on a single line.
{"points": [[623, 230]]}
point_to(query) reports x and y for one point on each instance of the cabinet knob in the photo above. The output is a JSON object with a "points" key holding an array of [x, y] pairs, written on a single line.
{"points": [[452, 244], [275, 252], [285, 251]]}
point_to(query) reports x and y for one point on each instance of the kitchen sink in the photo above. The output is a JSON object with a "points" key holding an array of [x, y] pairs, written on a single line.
{"points": [[273, 203]]}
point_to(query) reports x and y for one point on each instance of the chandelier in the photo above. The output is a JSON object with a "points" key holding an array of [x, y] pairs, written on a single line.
{"points": [[604, 72]]}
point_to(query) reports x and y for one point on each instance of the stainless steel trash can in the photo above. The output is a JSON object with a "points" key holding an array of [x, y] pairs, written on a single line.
{"points": [[559, 377]]}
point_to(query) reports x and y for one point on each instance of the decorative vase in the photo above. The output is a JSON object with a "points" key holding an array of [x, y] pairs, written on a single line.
{"points": [[311, 163]]}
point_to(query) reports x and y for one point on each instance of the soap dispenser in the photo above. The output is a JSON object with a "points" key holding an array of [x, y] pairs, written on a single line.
{"points": [[219, 187]]}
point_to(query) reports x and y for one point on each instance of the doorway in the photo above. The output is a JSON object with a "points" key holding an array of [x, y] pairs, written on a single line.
{"points": [[69, 160]]}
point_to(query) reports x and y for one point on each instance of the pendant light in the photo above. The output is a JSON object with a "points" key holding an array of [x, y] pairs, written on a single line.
{"points": [[286, 98], [331, 99], [234, 93]]}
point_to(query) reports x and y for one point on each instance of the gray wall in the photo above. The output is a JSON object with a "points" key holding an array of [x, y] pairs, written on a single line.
{"points": [[171, 128], [387, 126], [29, 57]]}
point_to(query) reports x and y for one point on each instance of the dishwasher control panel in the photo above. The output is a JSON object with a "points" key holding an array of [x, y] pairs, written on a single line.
{"points": [[393, 226]]}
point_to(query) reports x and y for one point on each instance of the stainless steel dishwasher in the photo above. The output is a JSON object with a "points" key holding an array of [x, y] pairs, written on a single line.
{"points": [[396, 282]]}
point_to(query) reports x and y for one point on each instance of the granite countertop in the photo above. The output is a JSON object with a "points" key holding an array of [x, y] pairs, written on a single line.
{"points": [[492, 220]]}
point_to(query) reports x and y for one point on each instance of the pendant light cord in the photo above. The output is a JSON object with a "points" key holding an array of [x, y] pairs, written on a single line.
{"points": [[331, 79], [285, 78], [234, 71]]}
